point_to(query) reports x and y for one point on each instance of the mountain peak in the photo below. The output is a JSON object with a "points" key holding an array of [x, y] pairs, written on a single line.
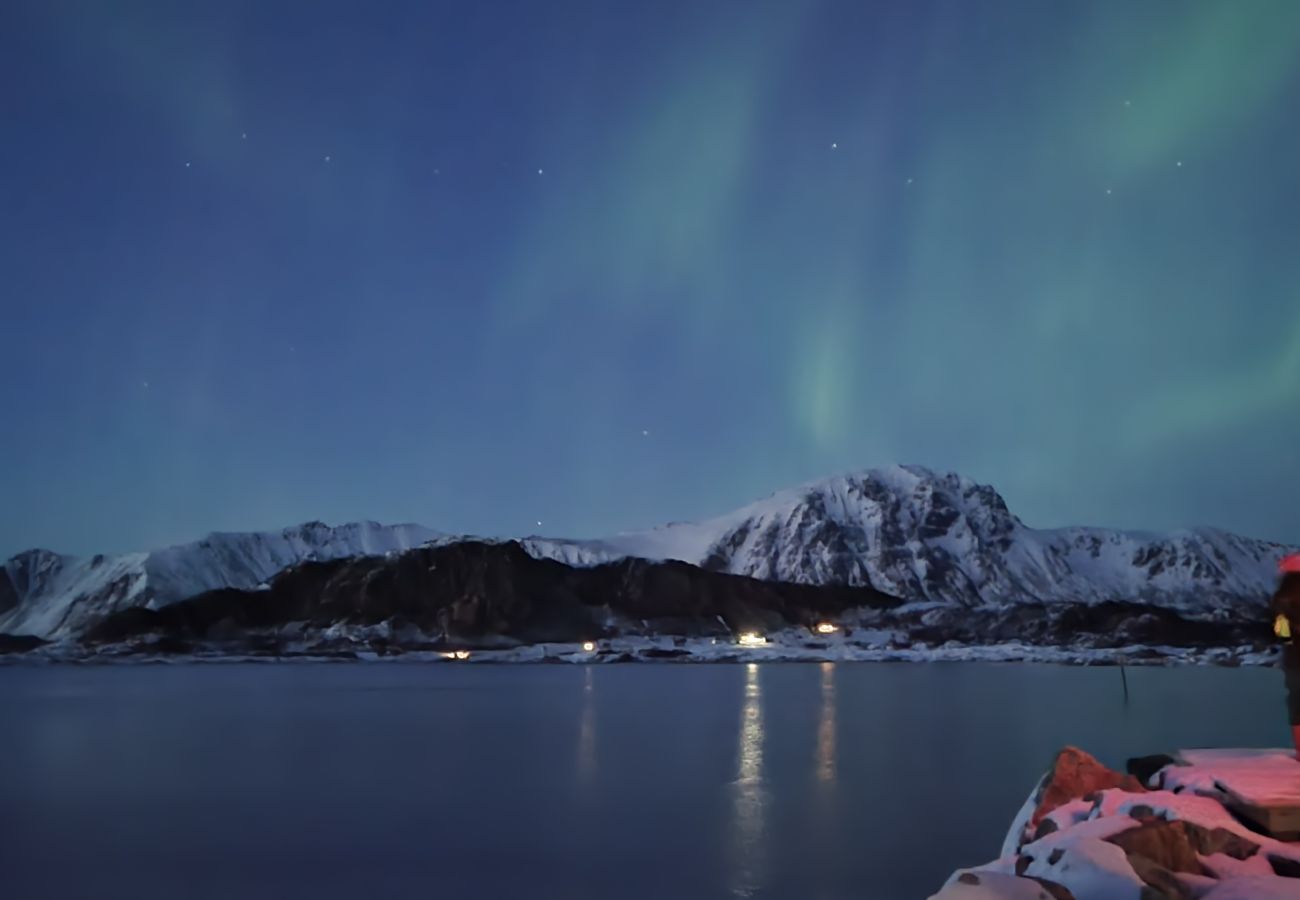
{"points": [[917, 533], [905, 530]]}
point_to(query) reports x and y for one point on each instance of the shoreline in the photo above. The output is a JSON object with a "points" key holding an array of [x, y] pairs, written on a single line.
{"points": [[642, 650]]}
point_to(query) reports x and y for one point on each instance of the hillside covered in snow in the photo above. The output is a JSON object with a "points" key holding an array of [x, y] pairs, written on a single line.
{"points": [[906, 532], [50, 595], [921, 535]]}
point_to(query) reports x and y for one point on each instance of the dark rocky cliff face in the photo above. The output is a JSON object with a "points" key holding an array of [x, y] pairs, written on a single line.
{"points": [[29, 572], [8, 592], [474, 589], [1102, 625]]}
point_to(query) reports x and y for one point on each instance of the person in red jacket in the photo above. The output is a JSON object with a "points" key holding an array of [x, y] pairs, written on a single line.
{"points": [[1286, 625]]}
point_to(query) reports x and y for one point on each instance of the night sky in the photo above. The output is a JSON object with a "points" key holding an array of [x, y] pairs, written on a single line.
{"points": [[601, 265]]}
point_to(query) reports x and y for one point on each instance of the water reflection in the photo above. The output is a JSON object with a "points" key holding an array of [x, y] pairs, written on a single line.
{"points": [[587, 729], [826, 727], [748, 796]]}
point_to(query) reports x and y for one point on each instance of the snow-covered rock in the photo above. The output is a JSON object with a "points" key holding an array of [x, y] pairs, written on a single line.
{"points": [[1175, 842], [1259, 887], [984, 885], [57, 596], [1085, 862], [1059, 797]]}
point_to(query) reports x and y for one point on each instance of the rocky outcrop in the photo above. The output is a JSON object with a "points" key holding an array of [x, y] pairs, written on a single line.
{"points": [[1075, 775], [1107, 625], [1101, 836], [31, 573], [19, 643], [1157, 851], [475, 589], [1144, 768], [8, 592]]}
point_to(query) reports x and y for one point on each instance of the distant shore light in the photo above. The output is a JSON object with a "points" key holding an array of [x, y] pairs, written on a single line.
{"points": [[826, 628], [751, 639], [588, 646]]}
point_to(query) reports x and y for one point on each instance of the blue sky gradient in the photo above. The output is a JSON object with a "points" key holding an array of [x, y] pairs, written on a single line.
{"points": [[603, 265]]}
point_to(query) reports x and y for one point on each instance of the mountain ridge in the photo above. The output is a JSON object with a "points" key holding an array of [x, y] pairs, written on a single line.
{"points": [[907, 531], [52, 595]]}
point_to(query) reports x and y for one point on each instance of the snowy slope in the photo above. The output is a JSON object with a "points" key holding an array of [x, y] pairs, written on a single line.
{"points": [[53, 596], [921, 535], [904, 530]]}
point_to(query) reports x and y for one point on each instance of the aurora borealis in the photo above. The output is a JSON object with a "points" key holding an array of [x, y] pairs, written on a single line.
{"points": [[604, 265]]}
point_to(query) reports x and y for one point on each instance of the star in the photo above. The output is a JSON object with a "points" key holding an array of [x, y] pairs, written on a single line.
{"points": [[187, 165], [1108, 190], [1179, 164], [1128, 102], [244, 136], [146, 384], [539, 171], [327, 159], [645, 432], [437, 171], [909, 181], [834, 146], [539, 523]]}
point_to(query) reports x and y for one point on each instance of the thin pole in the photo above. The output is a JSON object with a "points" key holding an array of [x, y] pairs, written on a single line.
{"points": [[1123, 676]]}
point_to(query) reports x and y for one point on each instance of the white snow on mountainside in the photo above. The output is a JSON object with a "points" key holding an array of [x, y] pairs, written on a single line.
{"points": [[921, 535], [53, 595], [904, 530]]}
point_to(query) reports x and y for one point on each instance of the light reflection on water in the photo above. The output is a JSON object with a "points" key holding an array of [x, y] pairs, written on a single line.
{"points": [[826, 727], [587, 729], [748, 792]]}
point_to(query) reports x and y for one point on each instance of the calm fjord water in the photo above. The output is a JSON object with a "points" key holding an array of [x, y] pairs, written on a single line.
{"points": [[641, 781]]}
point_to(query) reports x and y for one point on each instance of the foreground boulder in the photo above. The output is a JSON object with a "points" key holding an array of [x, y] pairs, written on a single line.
{"points": [[1073, 778], [1075, 775]]}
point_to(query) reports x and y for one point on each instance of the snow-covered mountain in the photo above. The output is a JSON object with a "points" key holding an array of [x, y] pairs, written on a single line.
{"points": [[921, 535], [903, 530], [51, 595]]}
